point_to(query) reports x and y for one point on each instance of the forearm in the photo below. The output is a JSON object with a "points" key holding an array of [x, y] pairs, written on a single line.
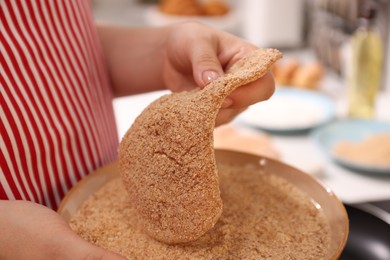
{"points": [[134, 57]]}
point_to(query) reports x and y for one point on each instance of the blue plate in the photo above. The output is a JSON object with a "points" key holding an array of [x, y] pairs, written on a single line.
{"points": [[350, 130], [290, 110]]}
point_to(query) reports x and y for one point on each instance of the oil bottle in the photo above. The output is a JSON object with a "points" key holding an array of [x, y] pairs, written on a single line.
{"points": [[366, 66]]}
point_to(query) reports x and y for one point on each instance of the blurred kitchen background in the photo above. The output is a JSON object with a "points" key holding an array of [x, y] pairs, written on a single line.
{"points": [[305, 30]]}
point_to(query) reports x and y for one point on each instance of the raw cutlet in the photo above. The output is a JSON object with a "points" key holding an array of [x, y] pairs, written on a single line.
{"points": [[166, 158]]}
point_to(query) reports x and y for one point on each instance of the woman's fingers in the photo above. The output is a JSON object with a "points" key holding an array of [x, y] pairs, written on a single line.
{"points": [[226, 115], [259, 90], [77, 248], [205, 62]]}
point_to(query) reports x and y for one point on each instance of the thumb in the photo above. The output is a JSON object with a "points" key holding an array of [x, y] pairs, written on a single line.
{"points": [[78, 248], [205, 63], [94, 252]]}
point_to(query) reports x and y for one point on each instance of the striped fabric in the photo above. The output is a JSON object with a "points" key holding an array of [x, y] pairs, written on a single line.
{"points": [[57, 119]]}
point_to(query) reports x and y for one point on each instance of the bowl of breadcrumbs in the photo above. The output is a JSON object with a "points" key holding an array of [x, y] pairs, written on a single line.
{"points": [[171, 195]]}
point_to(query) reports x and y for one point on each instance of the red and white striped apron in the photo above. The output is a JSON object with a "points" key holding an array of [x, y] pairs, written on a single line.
{"points": [[57, 119]]}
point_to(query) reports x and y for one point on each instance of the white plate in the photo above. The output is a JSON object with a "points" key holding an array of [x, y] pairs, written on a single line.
{"points": [[290, 110], [350, 130]]}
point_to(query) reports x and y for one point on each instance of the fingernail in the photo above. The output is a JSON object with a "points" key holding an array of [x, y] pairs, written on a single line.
{"points": [[227, 102], [208, 76]]}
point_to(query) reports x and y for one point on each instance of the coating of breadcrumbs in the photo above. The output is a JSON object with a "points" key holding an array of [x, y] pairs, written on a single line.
{"points": [[264, 217], [166, 158]]}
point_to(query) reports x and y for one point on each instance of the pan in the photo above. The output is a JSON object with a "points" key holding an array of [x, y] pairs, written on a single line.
{"points": [[369, 232]]}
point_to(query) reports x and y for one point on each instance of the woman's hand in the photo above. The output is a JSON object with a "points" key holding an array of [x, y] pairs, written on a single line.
{"points": [[196, 55], [178, 57], [32, 231]]}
